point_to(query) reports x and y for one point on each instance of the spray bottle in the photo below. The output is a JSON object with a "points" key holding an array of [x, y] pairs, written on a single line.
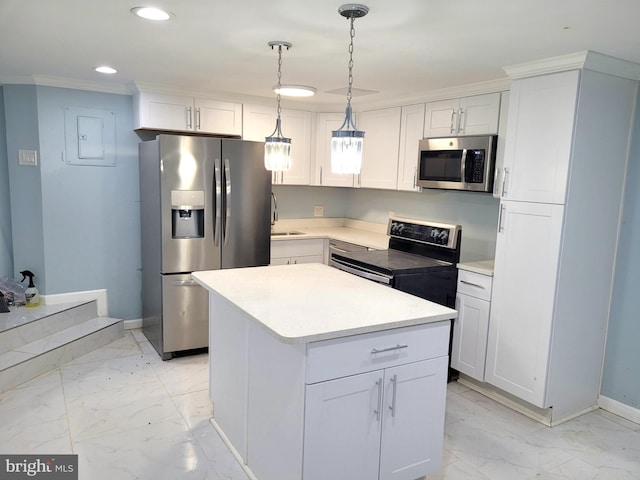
{"points": [[31, 294]]}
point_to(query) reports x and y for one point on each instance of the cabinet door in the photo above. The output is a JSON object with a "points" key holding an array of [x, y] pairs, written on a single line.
{"points": [[260, 121], [342, 428], [296, 125], [478, 115], [213, 116], [538, 146], [413, 420], [381, 148], [470, 330], [523, 297], [441, 118], [502, 138], [411, 131], [326, 123], [164, 112]]}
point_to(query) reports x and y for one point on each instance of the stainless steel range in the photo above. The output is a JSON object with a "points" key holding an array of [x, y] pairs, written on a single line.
{"points": [[421, 260]]}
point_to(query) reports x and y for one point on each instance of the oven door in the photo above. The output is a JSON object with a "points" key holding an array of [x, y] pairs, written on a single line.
{"points": [[361, 272]]}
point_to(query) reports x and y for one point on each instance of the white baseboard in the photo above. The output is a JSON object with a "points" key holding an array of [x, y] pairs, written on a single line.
{"points": [[100, 296], [133, 323], [619, 408]]}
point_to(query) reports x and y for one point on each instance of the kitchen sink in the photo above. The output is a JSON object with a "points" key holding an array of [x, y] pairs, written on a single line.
{"points": [[284, 234]]}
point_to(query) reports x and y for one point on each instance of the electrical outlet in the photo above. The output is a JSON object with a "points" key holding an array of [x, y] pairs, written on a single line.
{"points": [[318, 211]]}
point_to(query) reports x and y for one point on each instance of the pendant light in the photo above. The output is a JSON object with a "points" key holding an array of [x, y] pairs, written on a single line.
{"points": [[347, 141], [277, 148]]}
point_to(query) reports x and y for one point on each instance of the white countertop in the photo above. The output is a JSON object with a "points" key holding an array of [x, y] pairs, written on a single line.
{"points": [[348, 230], [309, 302], [483, 267]]}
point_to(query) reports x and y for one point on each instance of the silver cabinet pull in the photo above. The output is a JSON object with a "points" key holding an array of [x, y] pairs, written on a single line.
{"points": [[472, 284], [500, 227], [189, 124], [320, 174], [392, 407], [198, 127], [460, 124], [453, 113], [504, 181], [377, 411], [390, 349]]}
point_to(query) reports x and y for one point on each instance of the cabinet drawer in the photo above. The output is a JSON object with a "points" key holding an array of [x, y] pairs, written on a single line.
{"points": [[345, 356], [297, 248], [475, 284]]}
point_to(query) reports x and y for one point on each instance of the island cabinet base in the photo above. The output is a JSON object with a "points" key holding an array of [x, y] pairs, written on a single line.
{"points": [[366, 407]]}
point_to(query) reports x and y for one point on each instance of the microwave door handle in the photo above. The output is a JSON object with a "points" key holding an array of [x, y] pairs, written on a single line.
{"points": [[463, 167]]}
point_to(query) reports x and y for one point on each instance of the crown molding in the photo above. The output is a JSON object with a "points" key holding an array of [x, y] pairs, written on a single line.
{"points": [[63, 82], [584, 60]]}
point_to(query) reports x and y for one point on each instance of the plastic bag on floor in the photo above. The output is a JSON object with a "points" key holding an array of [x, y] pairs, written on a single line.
{"points": [[12, 290]]}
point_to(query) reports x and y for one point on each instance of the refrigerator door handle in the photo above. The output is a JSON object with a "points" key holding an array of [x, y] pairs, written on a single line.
{"points": [[217, 177], [227, 216]]}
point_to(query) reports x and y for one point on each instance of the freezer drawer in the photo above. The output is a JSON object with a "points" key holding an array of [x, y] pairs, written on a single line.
{"points": [[185, 313]]}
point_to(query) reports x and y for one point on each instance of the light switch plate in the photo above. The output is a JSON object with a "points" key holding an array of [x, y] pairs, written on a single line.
{"points": [[28, 157], [318, 211]]}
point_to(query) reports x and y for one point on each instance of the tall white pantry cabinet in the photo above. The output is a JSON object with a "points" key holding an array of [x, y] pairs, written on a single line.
{"points": [[566, 152]]}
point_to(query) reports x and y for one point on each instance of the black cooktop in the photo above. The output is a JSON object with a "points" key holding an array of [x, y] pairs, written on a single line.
{"points": [[393, 262]]}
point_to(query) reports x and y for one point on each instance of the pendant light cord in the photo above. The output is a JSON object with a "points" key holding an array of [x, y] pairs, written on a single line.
{"points": [[352, 33], [279, 82]]}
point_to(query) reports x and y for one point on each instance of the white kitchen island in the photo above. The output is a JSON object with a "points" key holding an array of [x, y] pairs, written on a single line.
{"points": [[319, 374]]}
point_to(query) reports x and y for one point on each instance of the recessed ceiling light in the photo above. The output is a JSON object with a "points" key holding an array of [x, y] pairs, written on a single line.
{"points": [[105, 69], [295, 90], [151, 13]]}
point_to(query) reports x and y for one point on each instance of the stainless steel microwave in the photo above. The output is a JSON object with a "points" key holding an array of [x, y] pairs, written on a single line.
{"points": [[457, 163]]}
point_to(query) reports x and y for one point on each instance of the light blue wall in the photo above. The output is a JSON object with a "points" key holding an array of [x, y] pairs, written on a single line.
{"points": [[21, 117], [77, 227], [476, 212], [6, 248], [621, 376], [91, 219], [298, 202]]}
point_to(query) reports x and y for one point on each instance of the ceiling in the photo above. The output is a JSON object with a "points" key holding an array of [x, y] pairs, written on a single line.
{"points": [[403, 48]]}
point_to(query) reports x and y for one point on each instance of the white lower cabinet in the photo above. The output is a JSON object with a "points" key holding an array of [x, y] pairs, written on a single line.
{"points": [[373, 425], [471, 328], [291, 252]]}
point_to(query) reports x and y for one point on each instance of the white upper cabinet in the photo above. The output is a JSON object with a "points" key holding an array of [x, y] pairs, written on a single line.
{"points": [[411, 131], [381, 147], [540, 135], [476, 115], [260, 121], [186, 114], [326, 123]]}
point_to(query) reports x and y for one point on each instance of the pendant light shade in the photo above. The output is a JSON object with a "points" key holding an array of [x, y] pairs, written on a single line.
{"points": [[347, 142], [277, 148]]}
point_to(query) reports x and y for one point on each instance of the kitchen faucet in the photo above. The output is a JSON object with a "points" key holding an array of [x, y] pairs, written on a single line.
{"points": [[274, 219]]}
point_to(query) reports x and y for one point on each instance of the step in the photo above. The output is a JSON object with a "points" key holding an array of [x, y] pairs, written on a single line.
{"points": [[43, 354], [23, 325]]}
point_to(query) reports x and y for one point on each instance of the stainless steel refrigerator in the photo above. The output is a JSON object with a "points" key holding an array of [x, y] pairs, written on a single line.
{"points": [[204, 205]]}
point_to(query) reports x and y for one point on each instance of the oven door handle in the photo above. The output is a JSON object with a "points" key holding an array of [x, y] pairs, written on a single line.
{"points": [[361, 273]]}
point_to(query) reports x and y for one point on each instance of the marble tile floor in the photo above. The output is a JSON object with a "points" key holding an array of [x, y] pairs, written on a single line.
{"points": [[129, 415]]}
